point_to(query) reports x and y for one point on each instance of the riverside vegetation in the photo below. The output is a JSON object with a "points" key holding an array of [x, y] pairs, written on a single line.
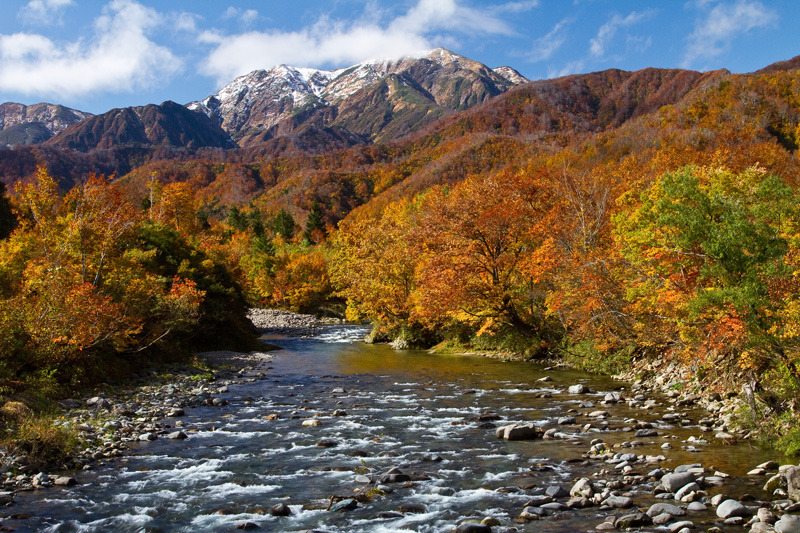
{"points": [[664, 237]]}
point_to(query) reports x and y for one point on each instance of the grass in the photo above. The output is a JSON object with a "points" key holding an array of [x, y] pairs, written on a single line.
{"points": [[584, 356], [36, 436]]}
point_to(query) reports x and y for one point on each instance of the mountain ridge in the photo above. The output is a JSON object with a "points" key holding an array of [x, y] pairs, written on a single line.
{"points": [[23, 124], [251, 105], [166, 124]]}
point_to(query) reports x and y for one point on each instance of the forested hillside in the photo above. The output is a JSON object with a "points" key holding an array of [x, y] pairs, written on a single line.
{"points": [[622, 217]]}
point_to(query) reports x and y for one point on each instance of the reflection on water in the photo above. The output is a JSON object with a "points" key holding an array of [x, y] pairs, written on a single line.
{"points": [[401, 409]]}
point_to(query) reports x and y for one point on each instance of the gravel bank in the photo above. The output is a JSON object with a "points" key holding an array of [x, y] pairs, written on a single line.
{"points": [[279, 322]]}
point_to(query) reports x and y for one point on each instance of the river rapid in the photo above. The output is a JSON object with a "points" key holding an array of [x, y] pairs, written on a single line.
{"points": [[380, 409]]}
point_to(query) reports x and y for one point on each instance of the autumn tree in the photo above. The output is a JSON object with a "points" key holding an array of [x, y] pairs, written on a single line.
{"points": [[711, 246], [486, 242], [374, 264]]}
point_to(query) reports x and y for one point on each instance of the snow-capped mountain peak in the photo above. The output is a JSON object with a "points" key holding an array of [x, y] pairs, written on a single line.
{"points": [[261, 99]]}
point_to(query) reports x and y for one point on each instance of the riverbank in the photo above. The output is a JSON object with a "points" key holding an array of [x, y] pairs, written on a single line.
{"points": [[103, 425], [107, 422]]}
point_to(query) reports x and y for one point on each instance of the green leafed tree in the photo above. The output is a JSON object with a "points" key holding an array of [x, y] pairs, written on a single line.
{"points": [[714, 252], [7, 219], [315, 225], [283, 224]]}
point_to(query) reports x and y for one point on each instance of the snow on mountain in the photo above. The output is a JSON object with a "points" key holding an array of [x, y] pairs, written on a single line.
{"points": [[511, 75], [262, 99]]}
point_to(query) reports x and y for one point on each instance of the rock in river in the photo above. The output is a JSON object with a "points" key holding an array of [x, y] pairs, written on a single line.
{"points": [[280, 509], [517, 432], [345, 505], [731, 508], [578, 389], [674, 482]]}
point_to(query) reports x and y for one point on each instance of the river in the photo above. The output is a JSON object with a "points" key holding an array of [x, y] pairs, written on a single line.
{"points": [[403, 409]]}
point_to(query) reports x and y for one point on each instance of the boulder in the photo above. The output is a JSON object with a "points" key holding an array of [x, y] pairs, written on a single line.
{"points": [[662, 508], [311, 423], [793, 483], [517, 432], [731, 509], [632, 520], [344, 505], [177, 435], [789, 523], [778, 481], [532, 513], [766, 516], [578, 389], [761, 527], [280, 509], [686, 489], [677, 480], [411, 508], [556, 491], [582, 488], [619, 502], [684, 525], [65, 481]]}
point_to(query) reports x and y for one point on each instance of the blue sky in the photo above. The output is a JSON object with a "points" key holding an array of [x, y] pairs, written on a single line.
{"points": [[95, 55]]}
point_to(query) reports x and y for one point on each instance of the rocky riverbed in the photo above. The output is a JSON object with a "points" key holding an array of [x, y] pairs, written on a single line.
{"points": [[546, 453]]}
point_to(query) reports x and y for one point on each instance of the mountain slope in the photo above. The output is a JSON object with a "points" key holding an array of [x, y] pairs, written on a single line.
{"points": [[168, 124], [21, 124], [392, 96]]}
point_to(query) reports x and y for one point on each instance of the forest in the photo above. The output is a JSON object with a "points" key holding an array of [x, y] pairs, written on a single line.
{"points": [[605, 233]]}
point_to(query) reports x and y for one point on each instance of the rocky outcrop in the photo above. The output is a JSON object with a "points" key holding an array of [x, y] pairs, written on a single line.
{"points": [[21, 124]]}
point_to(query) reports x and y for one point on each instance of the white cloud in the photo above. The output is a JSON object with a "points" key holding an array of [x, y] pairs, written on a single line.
{"points": [[573, 67], [599, 44], [725, 21], [186, 21], [544, 47], [45, 12], [516, 7], [120, 57], [245, 16], [330, 42]]}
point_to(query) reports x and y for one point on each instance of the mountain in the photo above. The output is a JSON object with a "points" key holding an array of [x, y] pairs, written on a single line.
{"points": [[376, 100], [168, 124], [21, 124], [787, 65]]}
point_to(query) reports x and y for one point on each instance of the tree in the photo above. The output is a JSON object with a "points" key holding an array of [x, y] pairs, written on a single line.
{"points": [[283, 224], [237, 220], [315, 225], [8, 221], [486, 242], [374, 264], [711, 247]]}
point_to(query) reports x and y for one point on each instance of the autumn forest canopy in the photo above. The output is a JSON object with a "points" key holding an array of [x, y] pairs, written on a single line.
{"points": [[610, 217]]}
